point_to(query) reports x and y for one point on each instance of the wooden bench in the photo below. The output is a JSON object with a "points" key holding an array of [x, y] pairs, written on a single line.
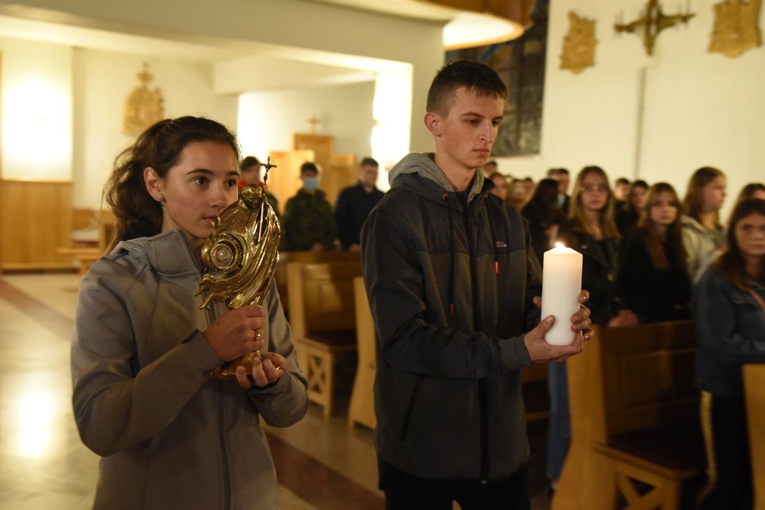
{"points": [[323, 320], [754, 391], [362, 406], [308, 257], [83, 255], [634, 419]]}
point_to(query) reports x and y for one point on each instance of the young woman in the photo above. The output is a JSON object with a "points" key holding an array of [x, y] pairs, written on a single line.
{"points": [[702, 232], [500, 185], [653, 281], [544, 216], [629, 214], [590, 230], [729, 309], [172, 435]]}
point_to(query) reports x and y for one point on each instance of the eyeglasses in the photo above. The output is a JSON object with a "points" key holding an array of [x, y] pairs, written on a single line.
{"points": [[601, 188]]}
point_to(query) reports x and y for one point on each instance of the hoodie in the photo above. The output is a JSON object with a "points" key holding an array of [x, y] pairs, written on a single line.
{"points": [[450, 282]]}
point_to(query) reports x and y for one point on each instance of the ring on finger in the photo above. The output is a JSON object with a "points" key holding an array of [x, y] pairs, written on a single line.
{"points": [[277, 368]]}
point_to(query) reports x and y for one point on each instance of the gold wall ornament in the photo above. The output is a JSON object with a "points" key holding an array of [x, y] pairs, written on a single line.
{"points": [[143, 107], [240, 258], [652, 22], [579, 44], [735, 29]]}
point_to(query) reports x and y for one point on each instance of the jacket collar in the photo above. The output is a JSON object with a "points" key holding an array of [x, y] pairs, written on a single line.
{"points": [[168, 253]]}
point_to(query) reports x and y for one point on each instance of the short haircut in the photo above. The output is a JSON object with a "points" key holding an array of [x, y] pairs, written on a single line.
{"points": [[622, 180], [473, 76], [248, 162], [369, 162], [309, 167]]}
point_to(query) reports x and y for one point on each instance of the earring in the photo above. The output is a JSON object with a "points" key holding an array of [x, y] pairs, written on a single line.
{"points": [[160, 197]]}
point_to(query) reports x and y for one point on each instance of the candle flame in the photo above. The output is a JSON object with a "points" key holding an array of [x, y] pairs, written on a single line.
{"points": [[559, 244]]}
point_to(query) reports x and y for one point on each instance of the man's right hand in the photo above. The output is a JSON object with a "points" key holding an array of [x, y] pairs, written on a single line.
{"points": [[542, 352]]}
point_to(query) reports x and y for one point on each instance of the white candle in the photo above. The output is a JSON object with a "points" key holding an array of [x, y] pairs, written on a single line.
{"points": [[561, 286]]}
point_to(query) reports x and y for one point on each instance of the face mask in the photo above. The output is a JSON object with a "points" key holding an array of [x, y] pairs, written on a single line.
{"points": [[311, 183]]}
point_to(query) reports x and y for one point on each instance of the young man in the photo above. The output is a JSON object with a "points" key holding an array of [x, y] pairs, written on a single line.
{"points": [[249, 175], [450, 282], [308, 224], [354, 204]]}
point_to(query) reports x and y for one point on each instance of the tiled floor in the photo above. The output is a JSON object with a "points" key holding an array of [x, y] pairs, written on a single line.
{"points": [[321, 464]]}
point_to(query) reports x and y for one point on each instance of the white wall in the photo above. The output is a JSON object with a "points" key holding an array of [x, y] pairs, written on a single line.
{"points": [[102, 82], [36, 110], [699, 108], [268, 119]]}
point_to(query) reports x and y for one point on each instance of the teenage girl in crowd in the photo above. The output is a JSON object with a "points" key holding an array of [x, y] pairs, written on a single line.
{"points": [[629, 214], [751, 190], [702, 231], [729, 309], [171, 434], [590, 230], [653, 281], [544, 216]]}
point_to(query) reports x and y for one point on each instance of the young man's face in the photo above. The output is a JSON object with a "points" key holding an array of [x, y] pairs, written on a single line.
{"points": [[368, 175], [465, 136]]}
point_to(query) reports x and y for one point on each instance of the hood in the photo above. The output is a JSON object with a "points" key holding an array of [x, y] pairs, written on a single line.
{"points": [[424, 165], [168, 253]]}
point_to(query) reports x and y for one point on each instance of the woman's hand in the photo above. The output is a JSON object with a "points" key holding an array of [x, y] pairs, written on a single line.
{"points": [[237, 332], [263, 372]]}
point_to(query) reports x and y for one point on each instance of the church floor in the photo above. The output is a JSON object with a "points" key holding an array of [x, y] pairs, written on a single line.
{"points": [[321, 463]]}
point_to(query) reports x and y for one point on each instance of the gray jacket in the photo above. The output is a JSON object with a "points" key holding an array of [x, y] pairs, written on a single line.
{"points": [[450, 279], [170, 434]]}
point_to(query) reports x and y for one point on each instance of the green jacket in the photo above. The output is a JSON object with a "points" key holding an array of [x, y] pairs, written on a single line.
{"points": [[170, 434], [308, 219], [450, 281]]}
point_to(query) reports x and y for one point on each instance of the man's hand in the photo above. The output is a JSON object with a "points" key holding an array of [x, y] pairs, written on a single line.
{"points": [[542, 352]]}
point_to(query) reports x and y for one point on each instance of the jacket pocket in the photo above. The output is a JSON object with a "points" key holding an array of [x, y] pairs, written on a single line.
{"points": [[410, 408]]}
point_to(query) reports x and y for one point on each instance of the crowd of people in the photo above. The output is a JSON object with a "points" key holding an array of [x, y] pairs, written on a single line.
{"points": [[451, 258], [650, 256]]}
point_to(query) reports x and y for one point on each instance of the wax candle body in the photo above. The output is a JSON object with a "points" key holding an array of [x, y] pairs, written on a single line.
{"points": [[561, 286]]}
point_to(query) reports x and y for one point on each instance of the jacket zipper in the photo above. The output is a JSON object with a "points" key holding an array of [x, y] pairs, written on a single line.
{"points": [[410, 408], [482, 387]]}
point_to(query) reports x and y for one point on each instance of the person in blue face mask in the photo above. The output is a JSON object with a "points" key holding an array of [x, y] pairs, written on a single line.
{"points": [[308, 223]]}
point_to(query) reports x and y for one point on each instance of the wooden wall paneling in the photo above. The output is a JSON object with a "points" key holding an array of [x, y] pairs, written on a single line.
{"points": [[343, 171], [284, 181], [36, 219]]}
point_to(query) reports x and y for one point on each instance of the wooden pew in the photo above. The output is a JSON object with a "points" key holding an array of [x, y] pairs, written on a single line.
{"points": [[634, 418], [308, 257], [754, 391], [323, 320], [362, 406]]}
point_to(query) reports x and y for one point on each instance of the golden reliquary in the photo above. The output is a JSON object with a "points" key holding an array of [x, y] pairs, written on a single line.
{"points": [[240, 257]]}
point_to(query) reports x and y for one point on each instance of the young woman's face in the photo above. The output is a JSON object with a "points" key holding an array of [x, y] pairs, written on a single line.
{"points": [[638, 197], [713, 194], [664, 209], [198, 188], [750, 235], [594, 192], [500, 187]]}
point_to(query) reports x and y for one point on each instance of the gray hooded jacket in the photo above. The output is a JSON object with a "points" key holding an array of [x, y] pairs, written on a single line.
{"points": [[450, 279], [170, 434]]}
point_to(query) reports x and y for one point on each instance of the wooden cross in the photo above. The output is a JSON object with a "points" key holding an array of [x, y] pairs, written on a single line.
{"points": [[313, 121]]}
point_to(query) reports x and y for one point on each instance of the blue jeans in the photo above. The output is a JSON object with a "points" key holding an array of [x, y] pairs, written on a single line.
{"points": [[559, 432]]}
